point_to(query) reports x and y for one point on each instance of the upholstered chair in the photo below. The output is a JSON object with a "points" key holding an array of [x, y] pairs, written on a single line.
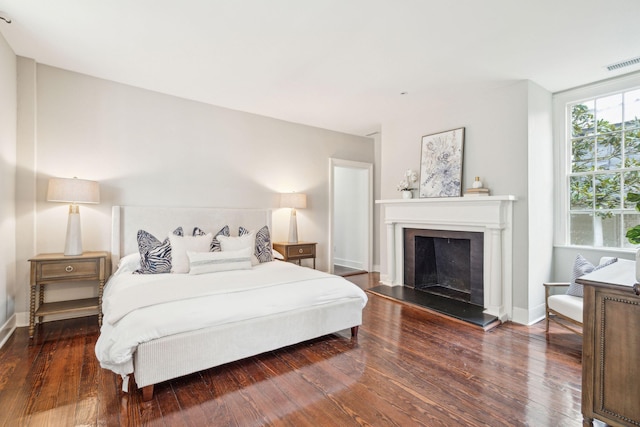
{"points": [[566, 308]]}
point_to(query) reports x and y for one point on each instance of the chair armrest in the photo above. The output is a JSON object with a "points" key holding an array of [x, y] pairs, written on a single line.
{"points": [[553, 285], [556, 284]]}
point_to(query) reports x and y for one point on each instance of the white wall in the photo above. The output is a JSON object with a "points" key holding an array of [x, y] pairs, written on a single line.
{"points": [[541, 213], [147, 148], [497, 141], [8, 118]]}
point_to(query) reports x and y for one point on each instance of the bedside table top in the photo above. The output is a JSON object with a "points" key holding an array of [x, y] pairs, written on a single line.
{"points": [[61, 256], [297, 243]]}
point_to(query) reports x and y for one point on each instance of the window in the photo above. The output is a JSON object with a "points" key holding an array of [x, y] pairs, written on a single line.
{"points": [[603, 138]]}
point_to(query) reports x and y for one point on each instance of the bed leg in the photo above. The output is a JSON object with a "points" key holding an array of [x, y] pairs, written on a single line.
{"points": [[354, 332], [147, 393]]}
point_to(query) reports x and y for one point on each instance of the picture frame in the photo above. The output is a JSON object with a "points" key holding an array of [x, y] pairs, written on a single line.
{"points": [[441, 164]]}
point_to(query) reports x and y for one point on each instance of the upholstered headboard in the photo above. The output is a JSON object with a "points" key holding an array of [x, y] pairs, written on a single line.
{"points": [[161, 221]]}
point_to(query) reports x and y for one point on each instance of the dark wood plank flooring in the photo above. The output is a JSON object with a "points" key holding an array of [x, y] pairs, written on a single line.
{"points": [[408, 367], [340, 270]]}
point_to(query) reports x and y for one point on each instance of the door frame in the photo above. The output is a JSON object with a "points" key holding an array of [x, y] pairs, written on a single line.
{"points": [[368, 240]]}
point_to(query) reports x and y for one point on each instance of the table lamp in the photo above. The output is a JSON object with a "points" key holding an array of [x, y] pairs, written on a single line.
{"points": [[73, 191], [293, 201]]}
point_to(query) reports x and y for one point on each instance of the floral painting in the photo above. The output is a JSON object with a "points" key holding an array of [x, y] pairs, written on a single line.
{"points": [[441, 164]]}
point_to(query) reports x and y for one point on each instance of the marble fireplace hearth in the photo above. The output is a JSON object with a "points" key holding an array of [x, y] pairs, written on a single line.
{"points": [[489, 217]]}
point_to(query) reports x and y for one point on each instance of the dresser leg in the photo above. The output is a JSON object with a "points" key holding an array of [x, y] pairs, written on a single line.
{"points": [[587, 422], [40, 301], [32, 311], [100, 291]]}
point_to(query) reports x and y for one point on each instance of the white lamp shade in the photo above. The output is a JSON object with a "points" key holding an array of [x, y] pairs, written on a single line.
{"points": [[293, 200], [73, 190]]}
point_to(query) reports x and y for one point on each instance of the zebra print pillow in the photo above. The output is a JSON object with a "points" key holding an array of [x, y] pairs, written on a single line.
{"points": [[263, 243], [215, 244], [155, 256]]}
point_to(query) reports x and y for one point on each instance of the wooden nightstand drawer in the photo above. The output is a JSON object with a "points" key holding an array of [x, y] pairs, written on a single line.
{"points": [[297, 251], [301, 251], [73, 269]]}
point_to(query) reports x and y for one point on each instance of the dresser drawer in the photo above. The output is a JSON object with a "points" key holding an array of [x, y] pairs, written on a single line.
{"points": [[71, 269], [301, 251]]}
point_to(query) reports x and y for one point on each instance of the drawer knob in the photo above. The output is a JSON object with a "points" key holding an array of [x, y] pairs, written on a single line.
{"points": [[300, 251], [68, 268], [636, 289]]}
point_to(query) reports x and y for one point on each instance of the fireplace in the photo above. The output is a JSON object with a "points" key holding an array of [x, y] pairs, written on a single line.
{"points": [[446, 263], [447, 220]]}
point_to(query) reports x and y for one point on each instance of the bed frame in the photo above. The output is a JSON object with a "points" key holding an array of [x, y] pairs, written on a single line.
{"points": [[182, 354]]}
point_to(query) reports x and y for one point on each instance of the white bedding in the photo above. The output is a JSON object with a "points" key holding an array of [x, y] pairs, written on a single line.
{"points": [[140, 308]]}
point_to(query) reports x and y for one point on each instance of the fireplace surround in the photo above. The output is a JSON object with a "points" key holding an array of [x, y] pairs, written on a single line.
{"points": [[491, 216]]}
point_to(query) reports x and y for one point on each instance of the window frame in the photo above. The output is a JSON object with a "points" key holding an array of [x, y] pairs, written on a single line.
{"points": [[562, 145]]}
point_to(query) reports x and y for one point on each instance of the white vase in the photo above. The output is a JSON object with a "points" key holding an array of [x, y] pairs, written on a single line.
{"points": [[638, 266], [406, 194], [477, 183]]}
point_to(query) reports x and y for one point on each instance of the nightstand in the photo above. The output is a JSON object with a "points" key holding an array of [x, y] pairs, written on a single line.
{"points": [[297, 251], [47, 269]]}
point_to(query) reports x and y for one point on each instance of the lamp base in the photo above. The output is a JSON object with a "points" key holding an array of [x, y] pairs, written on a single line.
{"points": [[73, 242], [293, 227]]}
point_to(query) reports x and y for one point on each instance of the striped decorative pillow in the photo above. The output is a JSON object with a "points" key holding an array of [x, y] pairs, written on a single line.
{"points": [[263, 243], [212, 262], [155, 256], [581, 267]]}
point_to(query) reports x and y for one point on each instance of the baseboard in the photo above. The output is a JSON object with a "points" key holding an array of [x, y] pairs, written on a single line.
{"points": [[22, 318], [7, 329], [348, 263], [528, 317]]}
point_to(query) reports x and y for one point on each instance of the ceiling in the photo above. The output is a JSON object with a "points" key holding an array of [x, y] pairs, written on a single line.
{"points": [[335, 64]]}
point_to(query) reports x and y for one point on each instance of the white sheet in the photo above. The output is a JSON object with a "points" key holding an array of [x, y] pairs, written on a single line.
{"points": [[140, 308]]}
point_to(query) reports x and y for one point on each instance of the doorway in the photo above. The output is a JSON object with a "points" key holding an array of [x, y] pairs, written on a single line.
{"points": [[351, 216]]}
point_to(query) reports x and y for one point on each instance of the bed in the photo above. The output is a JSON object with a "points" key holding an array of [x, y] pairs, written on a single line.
{"points": [[157, 327]]}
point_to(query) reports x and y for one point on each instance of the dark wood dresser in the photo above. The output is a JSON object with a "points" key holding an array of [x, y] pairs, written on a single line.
{"points": [[611, 346]]}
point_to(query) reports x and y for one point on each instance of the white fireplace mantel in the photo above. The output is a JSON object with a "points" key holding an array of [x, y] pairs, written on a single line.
{"points": [[491, 215]]}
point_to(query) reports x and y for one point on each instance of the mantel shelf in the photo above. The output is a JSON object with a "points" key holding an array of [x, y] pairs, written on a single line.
{"points": [[470, 199]]}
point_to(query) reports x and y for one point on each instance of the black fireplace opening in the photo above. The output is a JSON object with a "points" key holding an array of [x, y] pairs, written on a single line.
{"points": [[443, 272], [445, 263]]}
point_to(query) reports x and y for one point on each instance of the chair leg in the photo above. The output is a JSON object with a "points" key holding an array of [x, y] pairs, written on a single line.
{"points": [[546, 316]]}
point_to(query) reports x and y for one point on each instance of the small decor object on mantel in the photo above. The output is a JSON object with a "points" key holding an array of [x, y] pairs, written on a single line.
{"points": [[441, 164], [472, 192], [406, 185], [477, 189]]}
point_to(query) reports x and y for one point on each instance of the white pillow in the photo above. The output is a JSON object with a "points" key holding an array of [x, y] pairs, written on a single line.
{"points": [[276, 254], [212, 262], [129, 262], [228, 243], [179, 247]]}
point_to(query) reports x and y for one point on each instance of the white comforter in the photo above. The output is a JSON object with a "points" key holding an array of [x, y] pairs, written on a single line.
{"points": [[140, 308]]}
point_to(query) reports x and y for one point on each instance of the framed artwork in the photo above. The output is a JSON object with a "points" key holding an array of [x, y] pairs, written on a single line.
{"points": [[441, 164]]}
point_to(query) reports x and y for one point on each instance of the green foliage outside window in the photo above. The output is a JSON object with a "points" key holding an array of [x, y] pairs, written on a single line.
{"points": [[633, 234], [605, 166]]}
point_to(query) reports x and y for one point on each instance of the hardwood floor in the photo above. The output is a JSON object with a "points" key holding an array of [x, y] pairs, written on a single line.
{"points": [[408, 367], [339, 270]]}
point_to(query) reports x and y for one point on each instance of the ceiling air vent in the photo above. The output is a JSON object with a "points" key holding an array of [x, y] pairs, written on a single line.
{"points": [[623, 64]]}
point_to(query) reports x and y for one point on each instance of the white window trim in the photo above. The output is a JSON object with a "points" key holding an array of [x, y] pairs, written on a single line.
{"points": [[562, 152]]}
